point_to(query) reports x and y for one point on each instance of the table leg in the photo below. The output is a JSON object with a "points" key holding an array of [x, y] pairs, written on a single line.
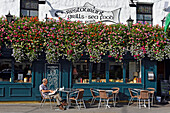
{"points": [[68, 101]]}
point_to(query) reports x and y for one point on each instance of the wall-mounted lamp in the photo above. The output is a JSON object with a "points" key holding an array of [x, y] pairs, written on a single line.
{"points": [[41, 1], [132, 3], [163, 21], [9, 17], [130, 22]]}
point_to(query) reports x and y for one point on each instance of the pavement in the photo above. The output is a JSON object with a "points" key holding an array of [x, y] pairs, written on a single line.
{"points": [[120, 108]]}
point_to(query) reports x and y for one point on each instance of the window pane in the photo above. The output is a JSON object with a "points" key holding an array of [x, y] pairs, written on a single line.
{"points": [[132, 72], [140, 16], [147, 17], [115, 72], [26, 4], [5, 69], [34, 4], [33, 13], [24, 12], [99, 72], [80, 72], [23, 72], [144, 9]]}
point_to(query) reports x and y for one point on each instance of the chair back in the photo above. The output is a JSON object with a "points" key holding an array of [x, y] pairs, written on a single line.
{"points": [[144, 94], [102, 94], [80, 94], [152, 89], [116, 90], [92, 92], [130, 91]]}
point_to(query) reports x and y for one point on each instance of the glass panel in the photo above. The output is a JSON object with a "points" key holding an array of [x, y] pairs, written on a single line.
{"points": [[149, 22], [5, 69], [24, 12], [99, 72], [80, 72], [22, 72], [34, 4], [144, 9], [115, 72], [147, 17], [26, 4], [140, 16], [33, 13], [133, 72]]}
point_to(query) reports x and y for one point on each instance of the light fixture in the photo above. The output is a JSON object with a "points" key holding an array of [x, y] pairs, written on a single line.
{"points": [[9, 17], [132, 3], [46, 18], [130, 22], [163, 21], [41, 1], [29, 72]]}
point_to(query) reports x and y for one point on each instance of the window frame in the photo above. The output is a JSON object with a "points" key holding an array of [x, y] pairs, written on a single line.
{"points": [[29, 9], [151, 14]]}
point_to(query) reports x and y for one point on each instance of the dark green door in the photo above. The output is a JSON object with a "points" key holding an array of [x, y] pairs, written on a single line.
{"points": [[52, 75]]}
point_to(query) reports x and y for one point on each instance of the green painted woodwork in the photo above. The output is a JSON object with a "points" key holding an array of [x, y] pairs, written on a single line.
{"points": [[10, 91]]}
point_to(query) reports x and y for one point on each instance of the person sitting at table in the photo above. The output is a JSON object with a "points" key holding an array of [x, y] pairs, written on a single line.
{"points": [[45, 91]]}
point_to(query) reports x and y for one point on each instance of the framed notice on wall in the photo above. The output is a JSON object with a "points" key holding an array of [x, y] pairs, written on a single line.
{"points": [[150, 75]]}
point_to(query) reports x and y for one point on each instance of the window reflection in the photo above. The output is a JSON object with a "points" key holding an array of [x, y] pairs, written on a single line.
{"points": [[99, 72], [80, 72], [5, 69], [133, 72], [23, 72], [115, 72]]}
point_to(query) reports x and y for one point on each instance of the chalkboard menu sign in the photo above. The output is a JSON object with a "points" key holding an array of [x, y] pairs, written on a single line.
{"points": [[165, 88], [52, 75]]}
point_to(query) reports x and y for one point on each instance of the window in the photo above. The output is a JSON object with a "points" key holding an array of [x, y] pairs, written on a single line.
{"points": [[29, 8], [144, 13], [5, 69], [80, 72], [115, 72], [22, 72], [133, 72], [99, 72]]}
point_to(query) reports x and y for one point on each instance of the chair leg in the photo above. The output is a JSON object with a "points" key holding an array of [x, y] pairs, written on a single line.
{"points": [[94, 100], [91, 101], [148, 103], [130, 101], [115, 101], [42, 101], [139, 104], [107, 104], [99, 103], [84, 103], [50, 103], [77, 105]]}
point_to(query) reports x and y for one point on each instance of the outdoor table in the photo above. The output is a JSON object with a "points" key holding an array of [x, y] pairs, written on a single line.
{"points": [[68, 91]]}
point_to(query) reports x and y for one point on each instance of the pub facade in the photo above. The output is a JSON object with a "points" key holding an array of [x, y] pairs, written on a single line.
{"points": [[20, 81]]}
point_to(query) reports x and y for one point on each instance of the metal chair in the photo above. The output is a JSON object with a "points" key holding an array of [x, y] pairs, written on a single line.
{"points": [[44, 98], [144, 95], [151, 94], [103, 95], [115, 94], [94, 95], [79, 96], [133, 95]]}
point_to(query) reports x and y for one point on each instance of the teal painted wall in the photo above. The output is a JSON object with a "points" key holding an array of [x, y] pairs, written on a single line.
{"points": [[30, 91]]}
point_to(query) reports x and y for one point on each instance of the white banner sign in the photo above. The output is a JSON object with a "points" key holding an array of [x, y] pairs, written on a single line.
{"points": [[87, 14]]}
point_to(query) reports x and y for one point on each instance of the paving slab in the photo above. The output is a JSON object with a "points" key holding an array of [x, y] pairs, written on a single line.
{"points": [[120, 108]]}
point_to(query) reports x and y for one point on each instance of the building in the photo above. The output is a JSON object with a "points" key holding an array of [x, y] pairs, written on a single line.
{"points": [[20, 81]]}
